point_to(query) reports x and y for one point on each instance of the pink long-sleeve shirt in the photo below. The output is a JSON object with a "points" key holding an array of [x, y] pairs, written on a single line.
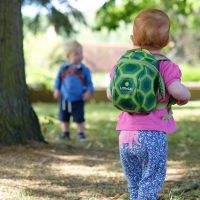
{"points": [[153, 120]]}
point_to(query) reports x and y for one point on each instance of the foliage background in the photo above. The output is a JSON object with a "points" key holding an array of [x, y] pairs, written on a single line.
{"points": [[44, 50]]}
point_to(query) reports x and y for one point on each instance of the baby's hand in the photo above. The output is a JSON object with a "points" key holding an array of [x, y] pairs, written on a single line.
{"points": [[181, 102], [86, 96], [56, 94]]}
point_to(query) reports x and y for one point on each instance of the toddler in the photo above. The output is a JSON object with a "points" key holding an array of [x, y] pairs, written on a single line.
{"points": [[73, 86], [142, 138]]}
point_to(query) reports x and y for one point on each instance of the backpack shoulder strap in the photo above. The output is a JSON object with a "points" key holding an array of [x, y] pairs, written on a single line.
{"points": [[161, 83], [159, 57], [64, 71], [172, 101], [80, 74]]}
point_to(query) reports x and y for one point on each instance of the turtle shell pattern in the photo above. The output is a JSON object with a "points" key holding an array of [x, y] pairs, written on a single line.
{"points": [[136, 82]]}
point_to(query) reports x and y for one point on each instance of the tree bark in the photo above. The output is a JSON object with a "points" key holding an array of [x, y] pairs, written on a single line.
{"points": [[18, 121]]}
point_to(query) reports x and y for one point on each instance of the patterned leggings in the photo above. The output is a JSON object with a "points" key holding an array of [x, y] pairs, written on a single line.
{"points": [[143, 157]]}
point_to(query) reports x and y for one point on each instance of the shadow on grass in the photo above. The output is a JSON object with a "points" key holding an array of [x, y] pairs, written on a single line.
{"points": [[61, 171], [92, 170]]}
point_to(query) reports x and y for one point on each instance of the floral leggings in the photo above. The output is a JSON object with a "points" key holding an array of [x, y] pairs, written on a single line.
{"points": [[143, 157]]}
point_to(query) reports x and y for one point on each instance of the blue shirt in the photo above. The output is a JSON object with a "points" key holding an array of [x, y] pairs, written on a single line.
{"points": [[72, 87]]}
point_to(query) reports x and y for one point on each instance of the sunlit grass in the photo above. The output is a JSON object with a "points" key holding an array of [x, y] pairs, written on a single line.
{"points": [[74, 170], [190, 73], [101, 121]]}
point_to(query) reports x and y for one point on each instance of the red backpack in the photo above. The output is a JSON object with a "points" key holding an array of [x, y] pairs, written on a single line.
{"points": [[77, 72]]}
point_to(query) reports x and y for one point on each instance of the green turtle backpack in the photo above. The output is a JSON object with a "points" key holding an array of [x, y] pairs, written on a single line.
{"points": [[137, 82]]}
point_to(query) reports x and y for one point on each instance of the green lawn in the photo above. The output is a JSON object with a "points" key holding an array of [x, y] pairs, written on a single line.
{"points": [[92, 170], [184, 145]]}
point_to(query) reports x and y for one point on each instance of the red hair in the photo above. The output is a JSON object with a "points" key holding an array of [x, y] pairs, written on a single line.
{"points": [[151, 29]]}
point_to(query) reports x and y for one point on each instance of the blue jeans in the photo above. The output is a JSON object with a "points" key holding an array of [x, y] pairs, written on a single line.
{"points": [[143, 158]]}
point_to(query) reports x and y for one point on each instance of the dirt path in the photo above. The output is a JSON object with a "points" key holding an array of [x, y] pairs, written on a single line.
{"points": [[60, 171]]}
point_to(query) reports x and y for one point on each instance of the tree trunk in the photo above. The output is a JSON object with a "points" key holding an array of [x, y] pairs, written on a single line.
{"points": [[18, 121]]}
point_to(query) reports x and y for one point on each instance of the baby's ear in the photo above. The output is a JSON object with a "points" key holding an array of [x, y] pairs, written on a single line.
{"points": [[171, 42], [132, 39]]}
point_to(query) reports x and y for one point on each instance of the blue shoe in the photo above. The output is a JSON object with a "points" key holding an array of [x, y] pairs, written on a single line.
{"points": [[64, 136], [81, 136]]}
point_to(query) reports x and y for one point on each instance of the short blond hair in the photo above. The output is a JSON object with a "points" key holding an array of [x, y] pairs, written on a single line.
{"points": [[151, 29], [71, 46]]}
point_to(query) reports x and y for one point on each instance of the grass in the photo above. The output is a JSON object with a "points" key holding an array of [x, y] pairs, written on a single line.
{"points": [[43, 78], [88, 171], [190, 74]]}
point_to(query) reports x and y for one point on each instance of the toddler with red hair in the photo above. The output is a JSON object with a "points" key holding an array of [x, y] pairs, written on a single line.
{"points": [[143, 136]]}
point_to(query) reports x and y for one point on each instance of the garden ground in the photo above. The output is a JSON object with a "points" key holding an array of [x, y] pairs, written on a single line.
{"points": [[91, 170]]}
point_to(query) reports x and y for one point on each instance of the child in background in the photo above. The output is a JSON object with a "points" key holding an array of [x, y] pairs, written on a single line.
{"points": [[73, 86], [142, 138]]}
